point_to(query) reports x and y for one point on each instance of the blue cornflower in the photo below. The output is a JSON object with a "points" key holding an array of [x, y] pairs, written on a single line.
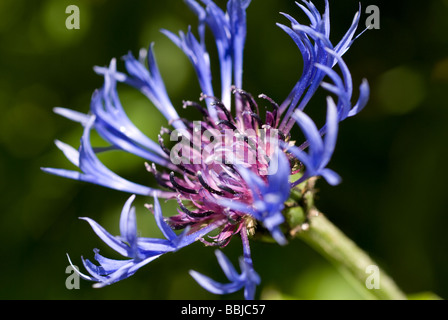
{"points": [[231, 171]]}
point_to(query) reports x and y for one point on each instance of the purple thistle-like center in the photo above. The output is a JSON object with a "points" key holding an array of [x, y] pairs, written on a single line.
{"points": [[208, 156]]}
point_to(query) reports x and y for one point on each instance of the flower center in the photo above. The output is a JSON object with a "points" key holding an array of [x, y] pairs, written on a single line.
{"points": [[207, 157]]}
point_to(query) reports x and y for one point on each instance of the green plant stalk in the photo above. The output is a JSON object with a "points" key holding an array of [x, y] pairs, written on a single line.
{"points": [[347, 257], [307, 223]]}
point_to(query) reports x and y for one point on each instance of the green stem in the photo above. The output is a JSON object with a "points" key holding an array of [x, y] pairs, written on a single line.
{"points": [[334, 245]]}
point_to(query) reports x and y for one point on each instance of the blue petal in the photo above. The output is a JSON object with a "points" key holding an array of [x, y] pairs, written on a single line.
{"points": [[97, 272], [226, 266], [330, 176], [94, 171], [248, 278], [72, 115], [70, 153], [318, 61], [214, 286], [343, 88], [110, 240], [138, 264], [120, 274], [218, 23], [109, 265], [199, 59], [237, 206], [364, 90], [150, 83], [236, 10], [187, 239], [347, 39], [268, 198], [279, 177], [312, 76], [312, 134], [178, 241], [320, 151], [229, 30], [332, 132], [152, 245], [163, 226], [272, 223], [128, 225], [253, 181], [141, 250], [82, 275], [114, 126], [252, 279], [301, 155]]}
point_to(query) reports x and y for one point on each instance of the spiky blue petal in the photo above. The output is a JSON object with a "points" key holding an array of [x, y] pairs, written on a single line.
{"points": [[229, 29], [268, 198], [320, 56], [112, 123], [320, 150], [149, 81], [140, 250], [248, 279], [199, 58], [94, 171]]}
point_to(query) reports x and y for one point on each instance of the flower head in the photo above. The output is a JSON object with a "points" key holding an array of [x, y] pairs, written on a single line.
{"points": [[230, 171]]}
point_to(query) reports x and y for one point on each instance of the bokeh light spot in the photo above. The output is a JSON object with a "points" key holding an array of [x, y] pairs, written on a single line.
{"points": [[400, 90]]}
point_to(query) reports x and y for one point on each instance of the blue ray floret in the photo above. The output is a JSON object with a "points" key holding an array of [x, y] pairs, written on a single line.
{"points": [[93, 170], [229, 29], [200, 60], [268, 198], [320, 150], [140, 250], [148, 80], [248, 279], [319, 55]]}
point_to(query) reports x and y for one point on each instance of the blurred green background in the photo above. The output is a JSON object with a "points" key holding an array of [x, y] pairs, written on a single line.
{"points": [[392, 201]]}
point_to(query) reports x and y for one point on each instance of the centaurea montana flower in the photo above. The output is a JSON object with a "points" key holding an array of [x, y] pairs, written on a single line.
{"points": [[234, 183]]}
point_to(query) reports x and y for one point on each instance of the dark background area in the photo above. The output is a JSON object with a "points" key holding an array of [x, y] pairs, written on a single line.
{"points": [[392, 201]]}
